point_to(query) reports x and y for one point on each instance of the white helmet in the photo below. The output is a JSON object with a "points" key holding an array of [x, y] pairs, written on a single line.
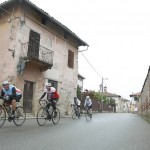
{"points": [[47, 84], [5, 82], [87, 97]]}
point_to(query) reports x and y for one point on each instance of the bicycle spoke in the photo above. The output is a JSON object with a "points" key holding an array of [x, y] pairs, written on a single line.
{"points": [[73, 114], [88, 115], [55, 116], [20, 116], [2, 116], [42, 116]]}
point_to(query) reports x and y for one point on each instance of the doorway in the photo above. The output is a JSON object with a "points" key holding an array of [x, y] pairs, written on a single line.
{"points": [[28, 96]]}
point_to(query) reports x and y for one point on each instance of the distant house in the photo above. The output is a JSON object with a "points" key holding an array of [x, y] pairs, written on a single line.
{"points": [[124, 105], [115, 97], [144, 100], [121, 105], [134, 102], [36, 48]]}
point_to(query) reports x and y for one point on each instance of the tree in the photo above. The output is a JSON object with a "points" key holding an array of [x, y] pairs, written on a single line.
{"points": [[79, 94]]}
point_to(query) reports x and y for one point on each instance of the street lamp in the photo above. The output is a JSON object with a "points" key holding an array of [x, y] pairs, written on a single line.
{"points": [[102, 88]]}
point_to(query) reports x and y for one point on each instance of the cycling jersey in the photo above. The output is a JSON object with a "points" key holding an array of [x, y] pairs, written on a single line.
{"points": [[77, 102], [88, 102], [11, 93], [51, 94]]}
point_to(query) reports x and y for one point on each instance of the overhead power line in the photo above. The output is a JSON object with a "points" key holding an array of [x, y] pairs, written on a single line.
{"points": [[91, 66]]}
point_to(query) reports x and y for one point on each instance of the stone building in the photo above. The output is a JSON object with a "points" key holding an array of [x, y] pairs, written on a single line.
{"points": [[144, 100], [36, 48]]}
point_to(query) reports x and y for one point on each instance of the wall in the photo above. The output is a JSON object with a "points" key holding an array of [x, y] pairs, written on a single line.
{"points": [[144, 101], [16, 32], [7, 38]]}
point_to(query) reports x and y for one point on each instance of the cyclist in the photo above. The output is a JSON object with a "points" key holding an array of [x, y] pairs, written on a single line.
{"points": [[88, 104], [11, 95], [52, 95], [77, 103]]}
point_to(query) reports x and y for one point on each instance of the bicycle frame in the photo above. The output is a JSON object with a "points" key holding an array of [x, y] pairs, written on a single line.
{"points": [[88, 113], [43, 113], [19, 114], [75, 110], [46, 102]]}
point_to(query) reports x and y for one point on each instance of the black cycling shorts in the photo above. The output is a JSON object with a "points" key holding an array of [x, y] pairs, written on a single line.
{"points": [[17, 99]]}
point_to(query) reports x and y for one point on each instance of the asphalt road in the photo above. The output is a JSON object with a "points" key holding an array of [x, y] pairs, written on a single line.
{"points": [[103, 132]]}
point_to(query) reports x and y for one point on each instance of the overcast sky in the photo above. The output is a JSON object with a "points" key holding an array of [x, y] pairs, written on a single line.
{"points": [[118, 34]]}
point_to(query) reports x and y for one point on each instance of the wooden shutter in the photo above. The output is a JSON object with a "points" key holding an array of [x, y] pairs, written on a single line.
{"points": [[70, 59]]}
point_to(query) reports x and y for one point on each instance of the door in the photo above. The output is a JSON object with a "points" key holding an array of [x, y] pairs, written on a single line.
{"points": [[28, 96], [34, 43]]}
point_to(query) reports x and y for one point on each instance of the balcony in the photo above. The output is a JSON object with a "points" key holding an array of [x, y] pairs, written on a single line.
{"points": [[37, 54]]}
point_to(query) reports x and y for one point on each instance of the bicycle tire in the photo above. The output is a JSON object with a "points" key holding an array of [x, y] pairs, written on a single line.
{"points": [[79, 115], [88, 116], [2, 116], [41, 116], [20, 116], [55, 116], [73, 114]]}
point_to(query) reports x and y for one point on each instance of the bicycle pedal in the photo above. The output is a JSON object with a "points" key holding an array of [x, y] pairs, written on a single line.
{"points": [[49, 117], [10, 118]]}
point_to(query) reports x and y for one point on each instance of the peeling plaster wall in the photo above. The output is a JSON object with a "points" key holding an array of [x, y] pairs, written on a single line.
{"points": [[16, 32]]}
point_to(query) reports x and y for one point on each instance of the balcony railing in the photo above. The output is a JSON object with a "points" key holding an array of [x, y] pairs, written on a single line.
{"points": [[40, 54]]}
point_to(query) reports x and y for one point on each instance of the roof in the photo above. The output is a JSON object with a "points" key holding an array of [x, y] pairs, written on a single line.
{"points": [[125, 100], [135, 94], [145, 79], [42, 12], [107, 94], [81, 76]]}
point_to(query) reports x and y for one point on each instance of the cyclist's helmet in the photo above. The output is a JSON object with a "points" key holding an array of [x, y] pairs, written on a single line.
{"points": [[5, 83], [87, 97], [75, 98], [47, 84]]}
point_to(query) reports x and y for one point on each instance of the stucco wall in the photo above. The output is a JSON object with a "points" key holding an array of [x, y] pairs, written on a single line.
{"points": [[51, 38], [7, 67]]}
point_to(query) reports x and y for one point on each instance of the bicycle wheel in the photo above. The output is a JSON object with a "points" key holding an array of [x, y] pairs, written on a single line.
{"points": [[2, 116], [88, 116], [79, 115], [55, 116], [20, 116], [41, 116], [73, 114]]}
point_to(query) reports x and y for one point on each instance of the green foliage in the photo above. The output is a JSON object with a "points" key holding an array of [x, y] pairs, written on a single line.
{"points": [[97, 96], [88, 93], [112, 102], [136, 98], [79, 93]]}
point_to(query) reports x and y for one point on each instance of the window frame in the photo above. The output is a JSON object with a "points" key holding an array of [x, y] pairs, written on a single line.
{"points": [[53, 83], [70, 59]]}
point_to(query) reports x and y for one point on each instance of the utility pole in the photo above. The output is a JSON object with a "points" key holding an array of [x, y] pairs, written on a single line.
{"points": [[102, 88], [102, 93]]}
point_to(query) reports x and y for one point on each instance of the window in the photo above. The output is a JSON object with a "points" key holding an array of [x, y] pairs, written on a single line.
{"points": [[53, 83], [34, 44], [70, 59]]}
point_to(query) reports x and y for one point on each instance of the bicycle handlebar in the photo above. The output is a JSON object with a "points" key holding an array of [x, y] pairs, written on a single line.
{"points": [[40, 100]]}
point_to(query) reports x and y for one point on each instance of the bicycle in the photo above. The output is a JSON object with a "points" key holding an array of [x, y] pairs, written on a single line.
{"points": [[19, 115], [45, 113], [88, 114], [75, 112]]}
